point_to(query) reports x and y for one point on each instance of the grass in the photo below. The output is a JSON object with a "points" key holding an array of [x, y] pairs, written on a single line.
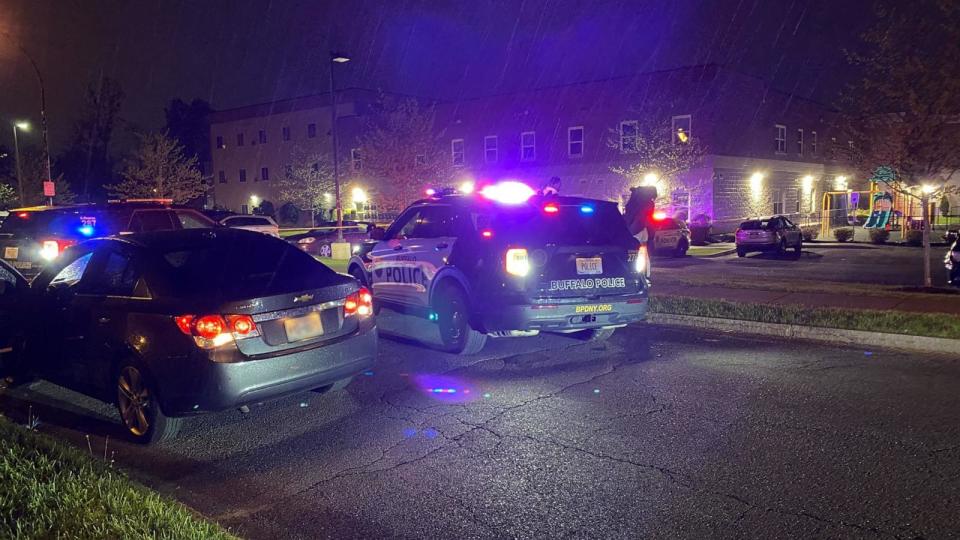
{"points": [[893, 322], [337, 265], [705, 251], [50, 490]]}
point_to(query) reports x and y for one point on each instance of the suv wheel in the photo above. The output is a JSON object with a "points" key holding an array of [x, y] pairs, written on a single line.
{"points": [[782, 247], [798, 249], [140, 409], [453, 321], [741, 252], [681, 249]]}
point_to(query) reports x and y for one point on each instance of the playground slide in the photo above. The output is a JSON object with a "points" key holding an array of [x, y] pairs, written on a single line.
{"points": [[878, 219]]}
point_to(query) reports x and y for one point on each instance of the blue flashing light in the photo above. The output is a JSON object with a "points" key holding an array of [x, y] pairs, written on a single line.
{"points": [[586, 209], [86, 230], [433, 316]]}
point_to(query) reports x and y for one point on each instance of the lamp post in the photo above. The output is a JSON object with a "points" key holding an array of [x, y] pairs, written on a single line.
{"points": [[43, 112], [336, 58], [22, 126]]}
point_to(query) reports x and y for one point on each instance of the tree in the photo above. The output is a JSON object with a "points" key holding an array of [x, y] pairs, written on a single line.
{"points": [[33, 168], [8, 195], [159, 169], [308, 182], [900, 114], [660, 159], [944, 205], [88, 162], [189, 124], [401, 148]]}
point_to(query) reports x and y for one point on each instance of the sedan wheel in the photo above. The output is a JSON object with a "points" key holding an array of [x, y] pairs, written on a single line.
{"points": [[139, 409]]}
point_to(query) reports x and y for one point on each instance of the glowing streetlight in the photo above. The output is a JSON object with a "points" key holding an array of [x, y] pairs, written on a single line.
{"points": [[22, 126], [339, 58], [359, 196], [254, 202], [467, 187], [650, 179], [840, 183], [807, 184], [927, 189], [756, 185], [336, 58]]}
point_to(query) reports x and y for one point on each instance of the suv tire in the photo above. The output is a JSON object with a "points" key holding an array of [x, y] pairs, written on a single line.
{"points": [[741, 252], [453, 316], [681, 249], [596, 334]]}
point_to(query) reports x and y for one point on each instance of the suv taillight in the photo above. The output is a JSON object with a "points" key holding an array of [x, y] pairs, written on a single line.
{"points": [[210, 331], [517, 262], [358, 303], [643, 261]]}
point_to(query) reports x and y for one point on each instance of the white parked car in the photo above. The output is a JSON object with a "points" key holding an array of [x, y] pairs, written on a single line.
{"points": [[260, 224]]}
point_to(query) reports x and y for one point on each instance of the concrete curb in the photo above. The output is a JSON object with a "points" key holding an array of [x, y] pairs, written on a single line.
{"points": [[835, 336]]}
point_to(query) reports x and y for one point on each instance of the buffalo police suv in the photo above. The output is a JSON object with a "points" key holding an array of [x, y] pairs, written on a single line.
{"points": [[507, 262]]}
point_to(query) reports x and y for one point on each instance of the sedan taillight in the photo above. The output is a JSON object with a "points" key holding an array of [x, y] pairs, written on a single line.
{"points": [[359, 303], [211, 331]]}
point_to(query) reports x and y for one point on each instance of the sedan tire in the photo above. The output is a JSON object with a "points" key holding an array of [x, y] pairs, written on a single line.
{"points": [[741, 252], [139, 407]]}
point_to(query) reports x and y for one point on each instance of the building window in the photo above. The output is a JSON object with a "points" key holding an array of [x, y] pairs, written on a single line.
{"points": [[220, 141], [628, 136], [490, 151], [528, 146], [262, 137], [456, 152], [575, 141], [222, 177], [355, 158], [777, 201], [239, 139], [244, 209], [781, 139], [264, 173], [799, 142], [813, 142], [311, 131], [799, 198], [813, 201], [681, 128], [286, 133], [420, 160], [243, 175]]}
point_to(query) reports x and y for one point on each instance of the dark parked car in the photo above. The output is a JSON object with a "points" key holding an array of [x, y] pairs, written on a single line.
{"points": [[13, 290], [178, 323], [31, 238], [317, 242], [775, 233]]}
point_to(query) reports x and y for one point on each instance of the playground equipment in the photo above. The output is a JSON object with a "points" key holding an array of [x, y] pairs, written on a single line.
{"points": [[881, 210], [844, 204]]}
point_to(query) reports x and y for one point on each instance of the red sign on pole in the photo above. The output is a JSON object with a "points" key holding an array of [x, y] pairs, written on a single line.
{"points": [[49, 190]]}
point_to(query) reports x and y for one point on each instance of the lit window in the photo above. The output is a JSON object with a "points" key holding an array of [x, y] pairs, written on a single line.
{"points": [[681, 128], [575, 141], [243, 175], [799, 142], [781, 140], [456, 152], [222, 177], [264, 173], [262, 137], [813, 142], [490, 151], [355, 158], [239, 139], [528, 146], [628, 136], [311, 131], [286, 133]]}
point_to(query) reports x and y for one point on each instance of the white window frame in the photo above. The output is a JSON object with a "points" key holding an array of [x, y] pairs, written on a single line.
{"points": [[673, 126], [571, 142], [487, 149], [524, 146], [454, 153], [636, 132], [356, 159], [777, 198], [813, 143], [800, 142], [781, 138]]}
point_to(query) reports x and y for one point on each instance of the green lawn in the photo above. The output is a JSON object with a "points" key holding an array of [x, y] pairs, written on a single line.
{"points": [[893, 322], [705, 251], [335, 264], [51, 490]]}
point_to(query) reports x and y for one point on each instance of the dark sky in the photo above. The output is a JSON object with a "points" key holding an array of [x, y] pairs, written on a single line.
{"points": [[237, 52]]}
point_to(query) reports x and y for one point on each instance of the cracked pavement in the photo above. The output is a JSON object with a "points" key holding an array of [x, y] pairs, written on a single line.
{"points": [[657, 433]]}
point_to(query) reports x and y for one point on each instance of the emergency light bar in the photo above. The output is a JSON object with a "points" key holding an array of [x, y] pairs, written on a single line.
{"points": [[508, 192]]}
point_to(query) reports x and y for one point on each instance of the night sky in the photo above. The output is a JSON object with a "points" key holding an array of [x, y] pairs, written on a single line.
{"points": [[237, 52]]}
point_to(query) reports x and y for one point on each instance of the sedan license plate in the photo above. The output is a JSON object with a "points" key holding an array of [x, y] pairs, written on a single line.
{"points": [[306, 327], [11, 253], [591, 266]]}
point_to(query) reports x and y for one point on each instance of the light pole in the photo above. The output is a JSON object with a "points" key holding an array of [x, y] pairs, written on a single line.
{"points": [[22, 126], [43, 111], [336, 58]]}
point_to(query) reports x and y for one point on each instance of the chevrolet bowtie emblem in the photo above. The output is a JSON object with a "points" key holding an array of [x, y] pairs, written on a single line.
{"points": [[302, 298]]}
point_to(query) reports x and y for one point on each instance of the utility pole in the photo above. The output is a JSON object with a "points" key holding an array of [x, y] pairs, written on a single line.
{"points": [[47, 175], [16, 152], [925, 201], [336, 58]]}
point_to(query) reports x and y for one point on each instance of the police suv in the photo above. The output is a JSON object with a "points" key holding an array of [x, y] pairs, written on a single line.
{"points": [[507, 262]]}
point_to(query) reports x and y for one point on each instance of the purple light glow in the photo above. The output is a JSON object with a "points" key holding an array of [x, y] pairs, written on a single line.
{"points": [[445, 388]]}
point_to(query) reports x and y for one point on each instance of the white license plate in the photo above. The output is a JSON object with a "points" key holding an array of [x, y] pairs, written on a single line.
{"points": [[591, 266], [11, 253], [22, 265], [306, 327]]}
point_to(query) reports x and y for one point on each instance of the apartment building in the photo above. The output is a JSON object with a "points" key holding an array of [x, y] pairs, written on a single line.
{"points": [[767, 151]]}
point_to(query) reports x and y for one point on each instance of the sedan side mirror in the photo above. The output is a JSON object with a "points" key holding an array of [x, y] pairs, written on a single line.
{"points": [[377, 233]]}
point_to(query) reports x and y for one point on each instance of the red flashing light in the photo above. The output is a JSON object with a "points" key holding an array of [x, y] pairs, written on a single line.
{"points": [[23, 215], [659, 215], [551, 208], [431, 192], [486, 233]]}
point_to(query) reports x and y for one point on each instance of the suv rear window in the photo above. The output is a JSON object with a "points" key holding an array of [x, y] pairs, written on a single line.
{"points": [[569, 226], [240, 267], [757, 224], [30, 223]]}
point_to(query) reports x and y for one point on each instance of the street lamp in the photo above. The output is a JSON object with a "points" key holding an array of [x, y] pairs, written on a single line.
{"points": [[336, 58], [43, 111], [650, 179], [22, 126]]}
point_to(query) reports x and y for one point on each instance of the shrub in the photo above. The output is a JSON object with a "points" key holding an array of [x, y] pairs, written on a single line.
{"points": [[843, 234], [289, 214], [879, 236], [914, 238], [810, 232]]}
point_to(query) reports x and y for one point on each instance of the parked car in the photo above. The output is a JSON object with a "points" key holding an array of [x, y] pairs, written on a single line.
{"points": [[179, 323], [13, 290], [775, 233], [952, 262], [260, 224], [317, 242], [31, 238], [670, 235]]}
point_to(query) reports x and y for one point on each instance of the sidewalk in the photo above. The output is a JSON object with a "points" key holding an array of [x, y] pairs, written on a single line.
{"points": [[920, 303]]}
